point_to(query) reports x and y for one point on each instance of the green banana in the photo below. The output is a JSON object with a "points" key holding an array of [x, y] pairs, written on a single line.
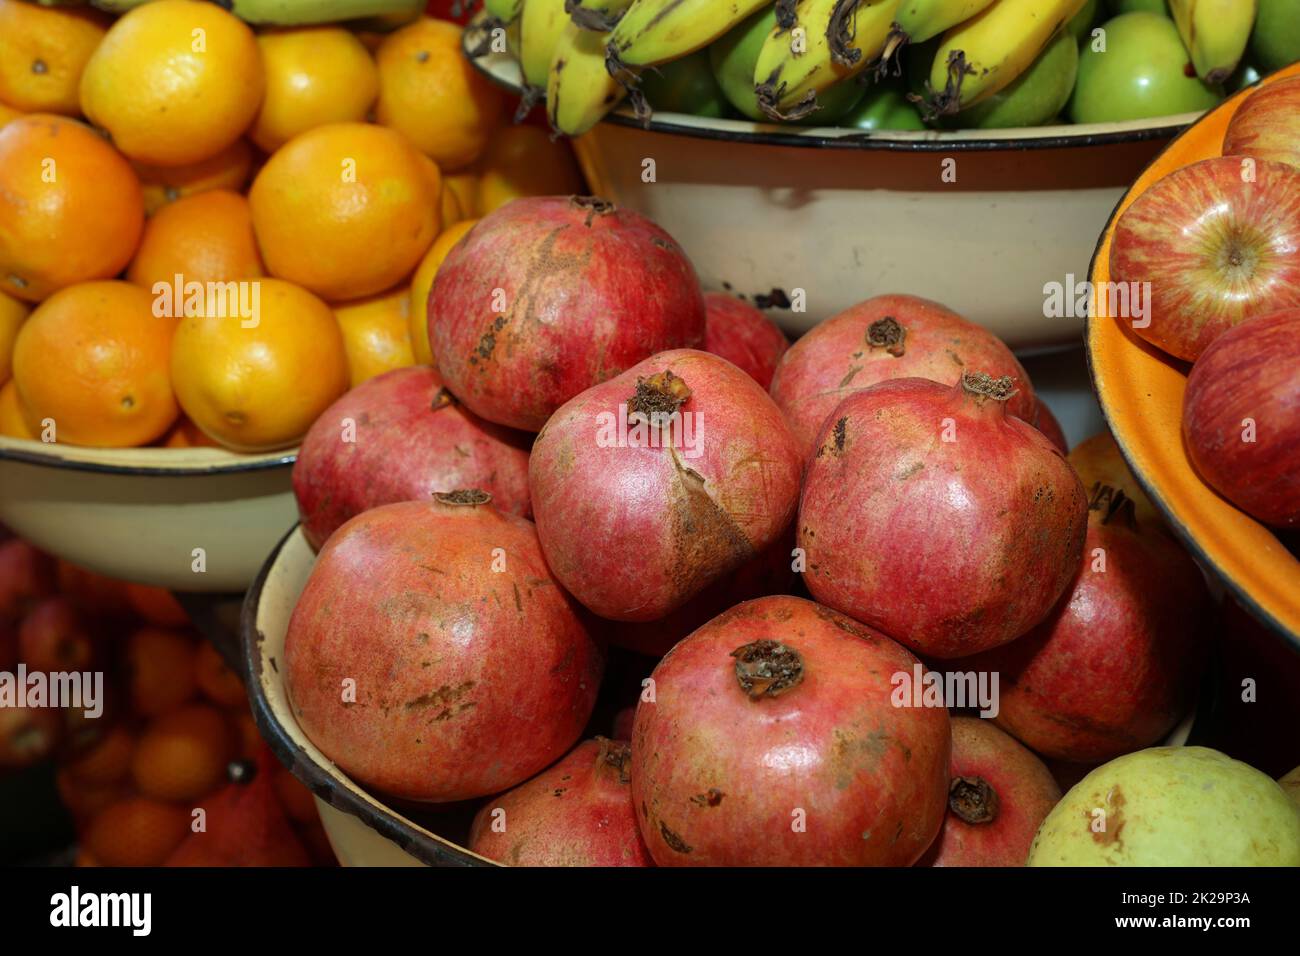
{"points": [[580, 91], [920, 20], [984, 55], [1215, 33], [660, 31], [828, 41], [289, 13], [540, 27], [503, 10]]}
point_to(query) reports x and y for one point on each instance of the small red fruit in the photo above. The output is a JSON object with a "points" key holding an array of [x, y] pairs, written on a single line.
{"points": [[744, 336], [54, 638]]}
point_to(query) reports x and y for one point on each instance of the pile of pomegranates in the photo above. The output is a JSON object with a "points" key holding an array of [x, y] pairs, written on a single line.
{"points": [[447, 648]]}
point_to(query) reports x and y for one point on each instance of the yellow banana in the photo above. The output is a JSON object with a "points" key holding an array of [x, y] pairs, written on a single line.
{"points": [[829, 41], [600, 15], [919, 20], [659, 31], [984, 55], [579, 89], [540, 26], [1215, 33]]}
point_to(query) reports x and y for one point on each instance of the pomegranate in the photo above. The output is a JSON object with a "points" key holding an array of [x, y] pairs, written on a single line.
{"points": [[743, 336], [8, 645], [930, 513], [998, 795], [1117, 663], [1241, 417], [432, 655], [26, 576], [54, 638], [888, 337], [28, 735], [549, 296], [768, 573], [576, 813], [402, 437], [623, 720], [1049, 426], [650, 487], [772, 740], [1098, 461]]}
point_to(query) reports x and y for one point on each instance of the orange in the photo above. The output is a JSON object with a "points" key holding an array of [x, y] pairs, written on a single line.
{"points": [[108, 762], [12, 314], [183, 755], [160, 670], [523, 161], [423, 282], [174, 82], [70, 206], [94, 358], [314, 76], [345, 210], [260, 388], [85, 801], [218, 682], [203, 238], [8, 113], [156, 605], [465, 186], [97, 595], [228, 169], [375, 334], [42, 53], [185, 434], [136, 831], [13, 421], [449, 207], [430, 92]]}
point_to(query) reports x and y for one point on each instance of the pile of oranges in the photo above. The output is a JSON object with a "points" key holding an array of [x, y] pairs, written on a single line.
{"points": [[208, 234], [174, 720]]}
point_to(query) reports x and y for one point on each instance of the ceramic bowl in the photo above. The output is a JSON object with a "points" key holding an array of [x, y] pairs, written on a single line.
{"points": [[1140, 390]]}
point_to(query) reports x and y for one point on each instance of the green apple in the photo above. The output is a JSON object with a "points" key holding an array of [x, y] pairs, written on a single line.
{"points": [[1141, 73], [1276, 40], [1035, 97], [1081, 23], [685, 86], [735, 55], [1138, 6], [885, 106], [1171, 806]]}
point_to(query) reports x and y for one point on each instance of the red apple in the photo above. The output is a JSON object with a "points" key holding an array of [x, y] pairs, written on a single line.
{"points": [[743, 336], [1219, 242], [1049, 426], [26, 576], [1116, 665], [998, 795], [1267, 124], [1241, 417], [54, 638]]}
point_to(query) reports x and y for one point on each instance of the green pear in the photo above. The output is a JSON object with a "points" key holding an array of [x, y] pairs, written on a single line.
{"points": [[1291, 784], [1171, 806]]}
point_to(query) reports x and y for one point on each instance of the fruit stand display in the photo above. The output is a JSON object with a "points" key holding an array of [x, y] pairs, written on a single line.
{"points": [[650, 433]]}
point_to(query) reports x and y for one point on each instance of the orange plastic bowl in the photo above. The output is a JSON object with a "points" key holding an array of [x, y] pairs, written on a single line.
{"points": [[1140, 390]]}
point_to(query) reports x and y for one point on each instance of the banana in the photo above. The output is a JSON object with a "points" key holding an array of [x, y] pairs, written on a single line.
{"points": [[984, 55], [827, 41], [1215, 33], [503, 10], [599, 15], [660, 31], [579, 88], [919, 20], [540, 27], [289, 13]]}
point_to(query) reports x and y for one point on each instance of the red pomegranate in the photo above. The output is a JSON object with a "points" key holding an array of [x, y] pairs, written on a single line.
{"points": [[743, 336], [549, 296], [1116, 664], [930, 513], [998, 795], [53, 637], [648, 488], [26, 576], [402, 436], [772, 740], [888, 337], [1049, 426], [433, 656], [576, 813], [1241, 417]]}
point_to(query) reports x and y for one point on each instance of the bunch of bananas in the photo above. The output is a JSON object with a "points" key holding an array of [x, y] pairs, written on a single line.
{"points": [[588, 56]]}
